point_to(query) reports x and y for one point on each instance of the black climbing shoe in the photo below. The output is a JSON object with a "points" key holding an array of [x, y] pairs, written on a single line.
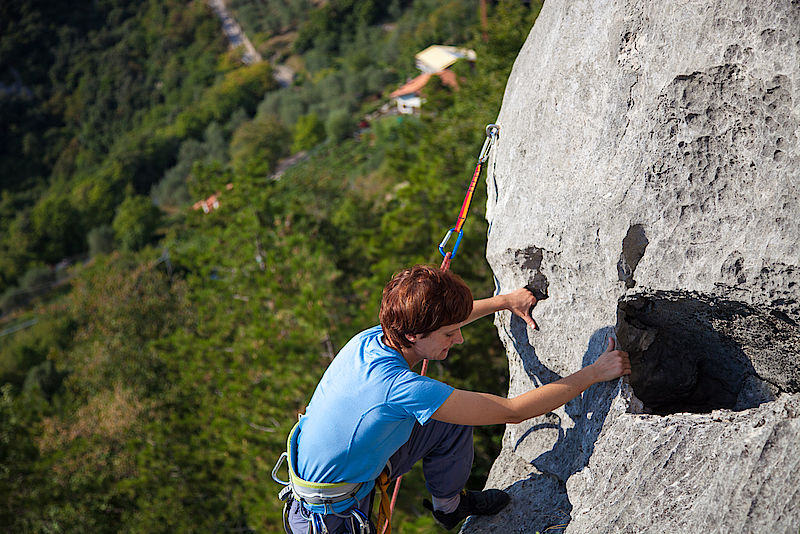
{"points": [[487, 502]]}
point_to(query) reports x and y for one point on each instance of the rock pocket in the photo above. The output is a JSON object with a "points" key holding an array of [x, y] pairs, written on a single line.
{"points": [[697, 353]]}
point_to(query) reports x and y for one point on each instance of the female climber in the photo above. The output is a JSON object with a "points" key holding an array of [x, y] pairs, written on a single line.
{"points": [[372, 416]]}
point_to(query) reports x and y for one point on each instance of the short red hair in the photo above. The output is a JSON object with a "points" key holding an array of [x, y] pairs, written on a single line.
{"points": [[422, 299]]}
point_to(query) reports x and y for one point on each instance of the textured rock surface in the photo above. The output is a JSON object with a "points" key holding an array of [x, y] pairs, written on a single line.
{"points": [[719, 472], [647, 179]]}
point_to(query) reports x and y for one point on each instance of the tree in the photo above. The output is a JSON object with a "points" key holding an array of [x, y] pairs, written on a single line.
{"points": [[135, 222], [101, 240], [57, 227], [258, 144], [340, 125], [308, 132], [16, 448]]}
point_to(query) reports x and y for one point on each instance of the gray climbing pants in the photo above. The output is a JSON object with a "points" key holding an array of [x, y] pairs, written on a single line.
{"points": [[446, 453]]}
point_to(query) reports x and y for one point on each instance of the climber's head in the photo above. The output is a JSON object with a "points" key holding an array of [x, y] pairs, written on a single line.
{"points": [[422, 299]]}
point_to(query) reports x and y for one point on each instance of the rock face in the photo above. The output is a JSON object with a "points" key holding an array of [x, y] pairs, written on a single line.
{"points": [[647, 181]]}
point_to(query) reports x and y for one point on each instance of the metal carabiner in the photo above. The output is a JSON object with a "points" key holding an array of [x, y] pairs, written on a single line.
{"points": [[275, 470], [447, 238], [363, 522], [318, 524], [491, 134]]}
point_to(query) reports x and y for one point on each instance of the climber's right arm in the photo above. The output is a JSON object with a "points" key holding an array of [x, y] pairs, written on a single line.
{"points": [[473, 408]]}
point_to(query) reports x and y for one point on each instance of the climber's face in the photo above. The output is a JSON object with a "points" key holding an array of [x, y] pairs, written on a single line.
{"points": [[435, 345]]}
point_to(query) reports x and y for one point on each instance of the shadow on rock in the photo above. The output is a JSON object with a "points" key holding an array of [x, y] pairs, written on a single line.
{"points": [[544, 495]]}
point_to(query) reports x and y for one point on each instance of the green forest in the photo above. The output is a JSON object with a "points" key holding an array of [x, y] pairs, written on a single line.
{"points": [[154, 356]]}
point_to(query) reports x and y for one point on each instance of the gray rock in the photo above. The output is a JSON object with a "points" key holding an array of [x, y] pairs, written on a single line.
{"points": [[647, 181], [719, 472]]}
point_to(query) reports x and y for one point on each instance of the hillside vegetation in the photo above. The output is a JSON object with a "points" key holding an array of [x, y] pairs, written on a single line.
{"points": [[149, 381]]}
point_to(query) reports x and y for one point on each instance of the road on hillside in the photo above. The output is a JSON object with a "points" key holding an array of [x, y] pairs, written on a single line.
{"points": [[283, 74], [234, 33]]}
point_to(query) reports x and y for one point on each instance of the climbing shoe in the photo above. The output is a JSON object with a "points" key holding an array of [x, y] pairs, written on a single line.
{"points": [[487, 502]]}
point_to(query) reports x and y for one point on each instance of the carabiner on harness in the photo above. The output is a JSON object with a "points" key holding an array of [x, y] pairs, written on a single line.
{"points": [[318, 525], [276, 468], [363, 522], [316, 499]]}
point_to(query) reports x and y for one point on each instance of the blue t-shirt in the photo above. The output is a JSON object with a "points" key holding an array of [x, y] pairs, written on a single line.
{"points": [[362, 411]]}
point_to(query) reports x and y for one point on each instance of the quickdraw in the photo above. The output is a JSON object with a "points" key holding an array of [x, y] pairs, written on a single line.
{"points": [[492, 131]]}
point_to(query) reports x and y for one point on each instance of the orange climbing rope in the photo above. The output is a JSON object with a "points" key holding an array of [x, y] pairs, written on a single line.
{"points": [[492, 131]]}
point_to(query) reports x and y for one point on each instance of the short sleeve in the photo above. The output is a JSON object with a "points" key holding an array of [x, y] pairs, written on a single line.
{"points": [[418, 396]]}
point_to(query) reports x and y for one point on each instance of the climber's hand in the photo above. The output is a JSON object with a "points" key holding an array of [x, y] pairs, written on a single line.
{"points": [[521, 303], [612, 363]]}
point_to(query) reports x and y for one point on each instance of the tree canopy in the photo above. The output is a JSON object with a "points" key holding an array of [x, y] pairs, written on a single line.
{"points": [[154, 356]]}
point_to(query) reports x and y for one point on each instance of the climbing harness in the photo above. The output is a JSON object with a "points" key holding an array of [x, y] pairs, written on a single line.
{"points": [[341, 499], [319, 499], [492, 131]]}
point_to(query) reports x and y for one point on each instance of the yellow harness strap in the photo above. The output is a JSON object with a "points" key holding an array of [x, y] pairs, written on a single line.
{"points": [[384, 510]]}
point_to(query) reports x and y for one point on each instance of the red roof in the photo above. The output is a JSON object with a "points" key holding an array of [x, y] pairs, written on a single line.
{"points": [[448, 78], [207, 205]]}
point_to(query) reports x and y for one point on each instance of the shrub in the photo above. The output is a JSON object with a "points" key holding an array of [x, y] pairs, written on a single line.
{"points": [[43, 378], [258, 144], [308, 132], [36, 281], [101, 240], [56, 226], [37, 278], [339, 125], [136, 222], [172, 190], [13, 297]]}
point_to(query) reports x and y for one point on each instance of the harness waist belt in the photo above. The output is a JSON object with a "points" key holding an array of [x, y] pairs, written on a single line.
{"points": [[325, 495], [319, 497]]}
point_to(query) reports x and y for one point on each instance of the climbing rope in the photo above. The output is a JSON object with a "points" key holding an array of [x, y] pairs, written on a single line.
{"points": [[492, 130]]}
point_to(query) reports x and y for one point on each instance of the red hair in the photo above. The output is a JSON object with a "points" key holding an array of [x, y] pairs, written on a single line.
{"points": [[422, 299]]}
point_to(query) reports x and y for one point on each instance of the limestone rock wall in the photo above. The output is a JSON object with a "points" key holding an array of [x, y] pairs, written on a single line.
{"points": [[647, 181]]}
